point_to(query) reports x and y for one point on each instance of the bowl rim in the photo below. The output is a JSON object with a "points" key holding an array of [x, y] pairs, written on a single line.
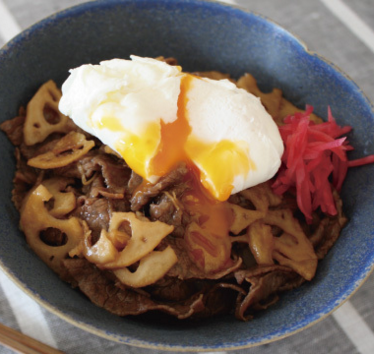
{"points": [[91, 4], [183, 349]]}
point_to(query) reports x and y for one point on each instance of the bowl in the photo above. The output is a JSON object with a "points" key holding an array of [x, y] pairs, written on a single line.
{"points": [[202, 35]]}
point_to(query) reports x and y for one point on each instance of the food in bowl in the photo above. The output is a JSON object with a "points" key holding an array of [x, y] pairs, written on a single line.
{"points": [[187, 229]]}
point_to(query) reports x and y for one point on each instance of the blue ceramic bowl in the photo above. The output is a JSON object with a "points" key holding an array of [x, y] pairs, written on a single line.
{"points": [[203, 36]]}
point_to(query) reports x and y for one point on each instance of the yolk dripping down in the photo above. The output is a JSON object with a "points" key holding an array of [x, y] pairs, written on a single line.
{"points": [[207, 238], [173, 135], [221, 162], [136, 150], [155, 116], [162, 146]]}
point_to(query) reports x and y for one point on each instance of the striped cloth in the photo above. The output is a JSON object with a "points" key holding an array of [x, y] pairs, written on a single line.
{"points": [[341, 31]]}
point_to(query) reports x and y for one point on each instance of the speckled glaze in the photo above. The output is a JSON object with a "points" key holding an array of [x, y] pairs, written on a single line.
{"points": [[203, 36]]}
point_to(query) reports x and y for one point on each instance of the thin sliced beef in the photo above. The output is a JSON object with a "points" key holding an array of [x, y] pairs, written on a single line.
{"points": [[96, 212], [328, 230], [92, 190], [265, 284], [53, 237], [104, 292], [146, 192], [134, 182], [30, 151], [84, 166], [115, 173], [97, 188], [24, 179], [219, 299], [167, 208], [172, 289], [186, 269], [104, 184], [14, 129]]}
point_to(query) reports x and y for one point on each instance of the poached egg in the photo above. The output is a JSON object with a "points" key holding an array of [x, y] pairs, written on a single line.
{"points": [[155, 116]]}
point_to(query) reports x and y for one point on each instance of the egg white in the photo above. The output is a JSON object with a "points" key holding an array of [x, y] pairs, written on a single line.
{"points": [[120, 96]]}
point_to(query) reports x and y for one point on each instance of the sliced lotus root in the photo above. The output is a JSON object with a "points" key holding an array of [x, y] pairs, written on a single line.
{"points": [[43, 116], [288, 243], [36, 221], [210, 252], [137, 234], [102, 252], [63, 202], [292, 248], [151, 268], [243, 217], [272, 101], [276, 105], [69, 148], [261, 196], [261, 242]]}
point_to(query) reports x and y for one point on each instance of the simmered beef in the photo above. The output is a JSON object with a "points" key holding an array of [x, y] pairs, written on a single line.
{"points": [[96, 213], [14, 129], [146, 192], [115, 173], [265, 283], [105, 292], [98, 184]]}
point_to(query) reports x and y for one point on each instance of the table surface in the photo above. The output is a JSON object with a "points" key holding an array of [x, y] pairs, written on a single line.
{"points": [[342, 31]]}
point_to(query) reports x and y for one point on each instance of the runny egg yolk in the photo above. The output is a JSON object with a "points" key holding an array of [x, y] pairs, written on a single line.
{"points": [[160, 147], [174, 135], [222, 161], [135, 149], [209, 246], [155, 117], [207, 239]]}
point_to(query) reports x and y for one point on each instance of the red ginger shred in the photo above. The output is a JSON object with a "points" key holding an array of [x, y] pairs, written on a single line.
{"points": [[314, 152]]}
